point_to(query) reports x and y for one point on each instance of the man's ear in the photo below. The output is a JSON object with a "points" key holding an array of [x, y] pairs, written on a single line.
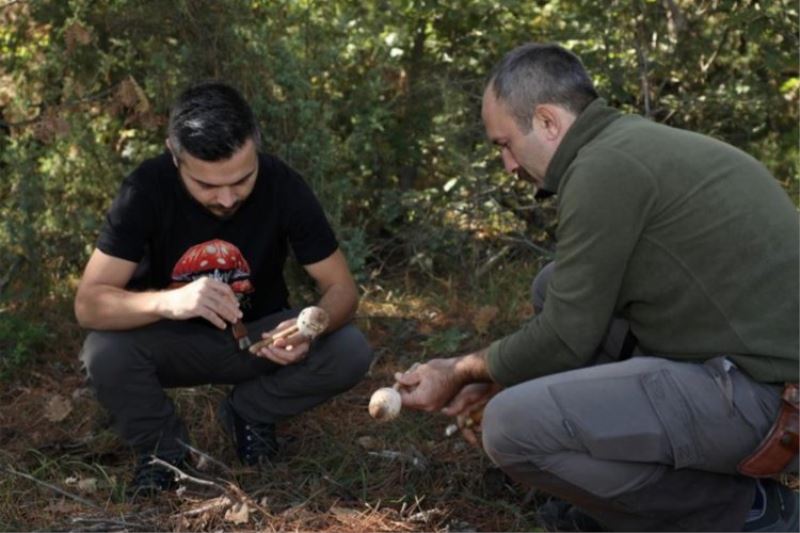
{"points": [[172, 152], [549, 119]]}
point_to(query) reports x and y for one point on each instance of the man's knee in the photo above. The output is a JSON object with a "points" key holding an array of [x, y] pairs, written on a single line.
{"points": [[520, 424], [499, 425], [107, 358]]}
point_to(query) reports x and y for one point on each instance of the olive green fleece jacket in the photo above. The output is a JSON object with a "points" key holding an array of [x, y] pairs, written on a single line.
{"points": [[690, 239]]}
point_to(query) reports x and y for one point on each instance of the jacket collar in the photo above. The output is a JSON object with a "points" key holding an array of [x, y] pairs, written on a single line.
{"points": [[589, 123]]}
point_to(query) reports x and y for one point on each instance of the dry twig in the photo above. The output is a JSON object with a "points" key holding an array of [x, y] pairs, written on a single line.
{"points": [[54, 488]]}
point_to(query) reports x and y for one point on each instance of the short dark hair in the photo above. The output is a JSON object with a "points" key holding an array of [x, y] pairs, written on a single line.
{"points": [[537, 73], [211, 121]]}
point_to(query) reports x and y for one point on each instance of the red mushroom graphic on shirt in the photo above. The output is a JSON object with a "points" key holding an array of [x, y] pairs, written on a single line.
{"points": [[218, 259]]}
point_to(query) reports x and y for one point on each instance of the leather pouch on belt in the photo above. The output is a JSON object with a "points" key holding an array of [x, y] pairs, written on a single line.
{"points": [[780, 445]]}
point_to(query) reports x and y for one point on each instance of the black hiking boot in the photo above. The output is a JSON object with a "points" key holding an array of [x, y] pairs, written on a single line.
{"points": [[775, 508], [150, 479], [255, 442], [558, 515]]}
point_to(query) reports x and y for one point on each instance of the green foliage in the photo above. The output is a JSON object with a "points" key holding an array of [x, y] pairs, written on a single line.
{"points": [[376, 103], [20, 340], [444, 342]]}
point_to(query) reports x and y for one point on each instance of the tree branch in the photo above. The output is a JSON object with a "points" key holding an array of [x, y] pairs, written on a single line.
{"points": [[640, 44]]}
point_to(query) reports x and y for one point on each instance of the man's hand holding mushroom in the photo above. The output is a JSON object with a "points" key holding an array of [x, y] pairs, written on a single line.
{"points": [[290, 341], [285, 350], [458, 386], [433, 385], [204, 297], [429, 386]]}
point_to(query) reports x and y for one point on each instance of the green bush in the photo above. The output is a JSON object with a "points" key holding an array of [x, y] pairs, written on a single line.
{"points": [[377, 104], [20, 340]]}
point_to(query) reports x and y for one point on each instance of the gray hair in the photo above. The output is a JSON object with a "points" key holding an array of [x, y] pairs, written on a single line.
{"points": [[534, 74]]}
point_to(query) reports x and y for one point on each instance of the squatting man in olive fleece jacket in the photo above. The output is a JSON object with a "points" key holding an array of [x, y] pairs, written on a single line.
{"points": [[664, 330]]}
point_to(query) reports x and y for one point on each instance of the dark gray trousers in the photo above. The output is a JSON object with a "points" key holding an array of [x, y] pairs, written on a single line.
{"points": [[129, 371], [644, 444]]}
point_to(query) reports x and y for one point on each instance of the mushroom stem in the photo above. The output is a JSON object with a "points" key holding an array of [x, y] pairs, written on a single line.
{"points": [[291, 330]]}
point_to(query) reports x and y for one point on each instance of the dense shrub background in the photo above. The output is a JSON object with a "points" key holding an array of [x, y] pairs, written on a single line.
{"points": [[377, 103]]}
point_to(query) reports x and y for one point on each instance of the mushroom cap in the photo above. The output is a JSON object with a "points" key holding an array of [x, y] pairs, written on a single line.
{"points": [[385, 404], [215, 257], [312, 321]]}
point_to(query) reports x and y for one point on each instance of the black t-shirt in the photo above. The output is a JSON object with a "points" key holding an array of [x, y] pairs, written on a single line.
{"points": [[156, 223]]}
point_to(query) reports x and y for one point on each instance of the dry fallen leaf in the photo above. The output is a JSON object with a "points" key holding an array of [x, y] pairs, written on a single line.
{"points": [[367, 442], [345, 514], [88, 485], [239, 513], [127, 94], [62, 506], [58, 408]]}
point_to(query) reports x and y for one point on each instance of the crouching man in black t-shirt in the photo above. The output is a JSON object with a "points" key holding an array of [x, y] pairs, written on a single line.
{"points": [[196, 240]]}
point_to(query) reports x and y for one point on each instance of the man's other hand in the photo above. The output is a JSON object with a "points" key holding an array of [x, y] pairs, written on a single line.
{"points": [[470, 398], [286, 350], [467, 406]]}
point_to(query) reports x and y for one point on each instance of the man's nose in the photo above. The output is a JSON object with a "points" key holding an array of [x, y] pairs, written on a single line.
{"points": [[225, 197], [509, 162]]}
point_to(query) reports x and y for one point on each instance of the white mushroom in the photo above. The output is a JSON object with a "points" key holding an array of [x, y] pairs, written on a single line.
{"points": [[385, 404], [311, 323]]}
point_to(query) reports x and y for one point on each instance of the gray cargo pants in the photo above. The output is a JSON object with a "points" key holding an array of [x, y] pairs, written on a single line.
{"points": [[644, 444], [129, 371]]}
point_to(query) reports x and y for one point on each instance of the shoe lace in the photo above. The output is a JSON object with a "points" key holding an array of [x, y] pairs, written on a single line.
{"points": [[259, 442]]}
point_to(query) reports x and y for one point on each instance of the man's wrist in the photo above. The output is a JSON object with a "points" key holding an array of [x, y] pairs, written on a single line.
{"points": [[159, 303], [472, 367]]}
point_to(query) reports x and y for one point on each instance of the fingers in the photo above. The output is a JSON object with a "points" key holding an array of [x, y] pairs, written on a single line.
{"points": [[470, 436], [469, 424], [408, 378], [284, 350], [225, 302], [224, 290], [211, 299], [461, 402], [282, 355], [416, 399], [210, 315], [291, 342], [470, 397], [455, 407], [223, 308]]}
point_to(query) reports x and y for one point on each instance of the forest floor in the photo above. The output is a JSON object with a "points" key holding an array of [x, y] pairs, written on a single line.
{"points": [[63, 469]]}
